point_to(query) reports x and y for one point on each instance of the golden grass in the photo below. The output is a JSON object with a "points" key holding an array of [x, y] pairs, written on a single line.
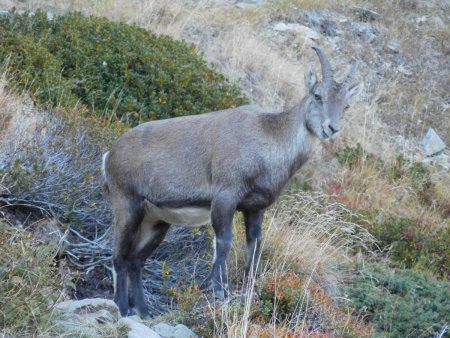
{"points": [[303, 234], [365, 188]]}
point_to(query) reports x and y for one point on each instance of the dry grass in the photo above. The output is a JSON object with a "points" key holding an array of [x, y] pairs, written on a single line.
{"points": [[367, 188], [302, 234]]}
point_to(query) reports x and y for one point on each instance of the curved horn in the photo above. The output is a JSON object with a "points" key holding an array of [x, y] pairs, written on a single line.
{"points": [[351, 73], [327, 72]]}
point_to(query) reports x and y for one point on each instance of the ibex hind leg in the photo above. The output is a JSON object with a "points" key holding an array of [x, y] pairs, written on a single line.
{"points": [[128, 216], [150, 235]]}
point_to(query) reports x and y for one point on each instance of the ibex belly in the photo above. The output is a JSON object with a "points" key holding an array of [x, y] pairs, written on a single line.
{"points": [[186, 216]]}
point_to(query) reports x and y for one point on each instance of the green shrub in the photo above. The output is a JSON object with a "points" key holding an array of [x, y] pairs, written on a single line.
{"points": [[401, 303], [113, 68], [356, 157], [29, 283]]}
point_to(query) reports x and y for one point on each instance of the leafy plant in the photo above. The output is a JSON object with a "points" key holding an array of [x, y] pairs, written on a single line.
{"points": [[117, 70], [356, 157], [29, 283], [401, 303]]}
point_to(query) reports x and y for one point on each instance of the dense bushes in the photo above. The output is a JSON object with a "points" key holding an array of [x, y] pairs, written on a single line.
{"points": [[401, 303], [115, 69]]}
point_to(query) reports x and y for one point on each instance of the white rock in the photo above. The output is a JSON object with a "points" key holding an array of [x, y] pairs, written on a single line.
{"points": [[138, 330], [306, 32], [91, 306], [280, 27], [182, 331], [432, 143], [250, 3], [421, 20], [179, 331]]}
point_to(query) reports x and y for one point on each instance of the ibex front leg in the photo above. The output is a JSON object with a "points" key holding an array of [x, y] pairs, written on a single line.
{"points": [[222, 211], [253, 230]]}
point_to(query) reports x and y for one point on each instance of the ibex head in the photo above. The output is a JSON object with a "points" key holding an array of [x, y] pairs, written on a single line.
{"points": [[327, 99]]}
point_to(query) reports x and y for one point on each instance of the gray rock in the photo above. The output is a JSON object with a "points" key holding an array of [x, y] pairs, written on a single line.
{"points": [[75, 328], [138, 330], [4, 12], [322, 23], [365, 31], [102, 316], [168, 331], [250, 3], [432, 143], [393, 46], [442, 160], [304, 31], [364, 13], [91, 306]]}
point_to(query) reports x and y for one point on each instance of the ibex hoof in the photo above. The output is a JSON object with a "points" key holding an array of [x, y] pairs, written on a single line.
{"points": [[220, 294]]}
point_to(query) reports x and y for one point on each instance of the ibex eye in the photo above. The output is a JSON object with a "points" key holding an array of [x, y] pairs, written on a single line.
{"points": [[317, 97]]}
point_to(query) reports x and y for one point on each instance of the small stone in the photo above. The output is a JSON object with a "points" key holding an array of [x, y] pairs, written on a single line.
{"points": [[138, 330], [182, 331], [364, 13], [74, 328], [250, 3], [168, 331], [305, 32], [280, 27], [365, 31], [421, 20], [393, 46], [102, 316], [442, 161], [432, 143], [4, 12]]}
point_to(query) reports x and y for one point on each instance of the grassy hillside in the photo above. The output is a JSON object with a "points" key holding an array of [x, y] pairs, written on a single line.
{"points": [[357, 247]]}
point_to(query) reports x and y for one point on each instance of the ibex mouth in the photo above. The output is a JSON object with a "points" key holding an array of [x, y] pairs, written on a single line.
{"points": [[327, 129]]}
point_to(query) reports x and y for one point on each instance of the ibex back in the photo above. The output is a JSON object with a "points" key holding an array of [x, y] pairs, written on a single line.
{"points": [[200, 169]]}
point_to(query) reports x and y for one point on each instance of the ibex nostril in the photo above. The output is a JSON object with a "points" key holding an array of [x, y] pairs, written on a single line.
{"points": [[334, 129]]}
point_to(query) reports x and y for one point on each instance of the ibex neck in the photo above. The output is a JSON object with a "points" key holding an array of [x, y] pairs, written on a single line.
{"points": [[291, 136]]}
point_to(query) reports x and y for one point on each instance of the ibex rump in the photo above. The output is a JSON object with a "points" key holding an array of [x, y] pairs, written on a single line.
{"points": [[200, 169]]}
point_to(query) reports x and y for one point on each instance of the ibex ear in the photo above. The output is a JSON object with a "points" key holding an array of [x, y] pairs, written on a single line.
{"points": [[353, 91], [310, 78]]}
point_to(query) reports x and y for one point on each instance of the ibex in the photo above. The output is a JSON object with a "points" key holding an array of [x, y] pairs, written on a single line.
{"points": [[195, 170]]}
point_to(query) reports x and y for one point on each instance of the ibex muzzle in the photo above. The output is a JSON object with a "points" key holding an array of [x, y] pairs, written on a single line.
{"points": [[201, 169]]}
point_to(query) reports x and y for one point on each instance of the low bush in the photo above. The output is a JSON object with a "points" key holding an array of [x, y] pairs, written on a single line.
{"points": [[305, 308], [401, 303], [29, 284], [117, 70], [401, 206]]}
